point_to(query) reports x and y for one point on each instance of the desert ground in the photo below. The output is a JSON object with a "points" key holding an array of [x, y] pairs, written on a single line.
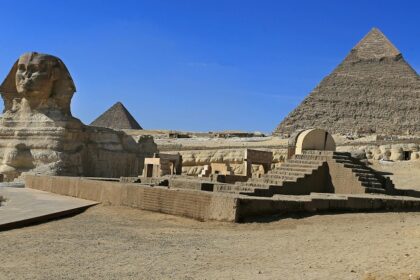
{"points": [[124, 243], [404, 174], [108, 242]]}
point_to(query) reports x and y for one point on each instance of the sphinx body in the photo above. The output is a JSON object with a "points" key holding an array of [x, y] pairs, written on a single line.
{"points": [[38, 133]]}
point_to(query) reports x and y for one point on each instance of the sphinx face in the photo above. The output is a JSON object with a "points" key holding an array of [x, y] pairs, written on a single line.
{"points": [[35, 76]]}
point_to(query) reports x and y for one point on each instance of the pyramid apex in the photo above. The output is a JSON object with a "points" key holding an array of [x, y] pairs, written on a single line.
{"points": [[118, 103], [375, 45]]}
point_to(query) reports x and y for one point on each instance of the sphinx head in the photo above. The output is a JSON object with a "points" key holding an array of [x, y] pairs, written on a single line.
{"points": [[40, 80]]}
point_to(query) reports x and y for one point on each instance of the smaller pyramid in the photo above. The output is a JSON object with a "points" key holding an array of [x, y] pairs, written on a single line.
{"points": [[117, 117]]}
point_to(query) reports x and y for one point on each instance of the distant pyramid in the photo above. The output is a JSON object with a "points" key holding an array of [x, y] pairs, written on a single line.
{"points": [[374, 90], [116, 117]]}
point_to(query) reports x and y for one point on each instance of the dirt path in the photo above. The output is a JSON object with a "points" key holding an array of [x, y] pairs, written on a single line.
{"points": [[124, 243]]}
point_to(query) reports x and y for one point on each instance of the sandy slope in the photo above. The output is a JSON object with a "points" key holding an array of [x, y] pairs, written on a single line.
{"points": [[404, 174], [124, 243]]}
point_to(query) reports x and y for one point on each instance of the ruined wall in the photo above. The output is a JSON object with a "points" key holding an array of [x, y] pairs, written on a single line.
{"points": [[111, 153], [394, 152], [193, 204], [193, 161]]}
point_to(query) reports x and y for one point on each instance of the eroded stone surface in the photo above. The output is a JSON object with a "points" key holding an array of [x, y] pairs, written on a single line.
{"points": [[374, 90], [38, 133]]}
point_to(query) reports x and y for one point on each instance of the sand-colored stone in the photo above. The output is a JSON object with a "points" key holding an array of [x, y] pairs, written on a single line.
{"points": [[198, 205], [314, 139], [374, 90], [39, 135]]}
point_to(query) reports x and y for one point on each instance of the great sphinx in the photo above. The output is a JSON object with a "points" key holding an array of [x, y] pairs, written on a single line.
{"points": [[38, 133]]}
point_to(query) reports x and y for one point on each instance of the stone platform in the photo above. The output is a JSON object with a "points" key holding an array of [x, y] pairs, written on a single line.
{"points": [[214, 205], [24, 206]]}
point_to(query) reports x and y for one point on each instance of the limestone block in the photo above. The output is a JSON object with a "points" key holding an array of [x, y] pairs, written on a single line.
{"points": [[359, 154], [415, 156], [396, 154], [385, 151], [377, 154]]}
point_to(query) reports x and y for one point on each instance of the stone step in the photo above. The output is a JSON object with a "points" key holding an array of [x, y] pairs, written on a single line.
{"points": [[345, 161], [295, 169], [318, 153], [355, 165], [310, 157], [300, 165], [367, 180], [282, 178], [370, 177], [276, 182], [375, 190], [234, 188], [288, 172], [304, 161], [346, 154], [261, 192], [372, 185], [255, 185], [361, 171]]}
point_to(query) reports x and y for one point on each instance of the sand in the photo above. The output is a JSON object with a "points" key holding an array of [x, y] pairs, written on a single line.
{"points": [[404, 174], [124, 243]]}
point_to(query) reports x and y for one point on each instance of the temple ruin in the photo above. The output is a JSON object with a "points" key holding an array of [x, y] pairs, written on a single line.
{"points": [[225, 176]]}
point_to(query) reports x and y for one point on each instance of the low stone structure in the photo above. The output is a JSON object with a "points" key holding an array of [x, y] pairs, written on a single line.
{"points": [[319, 171], [193, 204], [310, 139], [216, 169], [26, 206], [213, 205], [194, 161], [162, 164], [39, 135], [262, 159], [388, 152]]}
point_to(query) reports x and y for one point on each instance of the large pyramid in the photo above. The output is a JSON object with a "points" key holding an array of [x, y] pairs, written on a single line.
{"points": [[374, 90], [116, 117]]}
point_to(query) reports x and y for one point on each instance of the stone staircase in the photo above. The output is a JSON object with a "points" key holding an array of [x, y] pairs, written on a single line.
{"points": [[371, 180], [294, 171], [316, 171]]}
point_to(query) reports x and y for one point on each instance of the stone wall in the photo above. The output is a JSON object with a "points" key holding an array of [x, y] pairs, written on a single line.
{"points": [[193, 204], [193, 161], [394, 152], [205, 206]]}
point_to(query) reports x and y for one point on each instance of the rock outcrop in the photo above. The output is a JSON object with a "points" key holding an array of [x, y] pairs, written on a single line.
{"points": [[38, 133], [374, 90]]}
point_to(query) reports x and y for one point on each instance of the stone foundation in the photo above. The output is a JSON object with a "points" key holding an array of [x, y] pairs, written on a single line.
{"points": [[206, 205]]}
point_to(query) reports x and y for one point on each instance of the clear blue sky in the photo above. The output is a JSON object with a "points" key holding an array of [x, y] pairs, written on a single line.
{"points": [[200, 65]]}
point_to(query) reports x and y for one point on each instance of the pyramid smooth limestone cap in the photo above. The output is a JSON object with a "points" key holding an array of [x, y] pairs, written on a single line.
{"points": [[375, 45]]}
